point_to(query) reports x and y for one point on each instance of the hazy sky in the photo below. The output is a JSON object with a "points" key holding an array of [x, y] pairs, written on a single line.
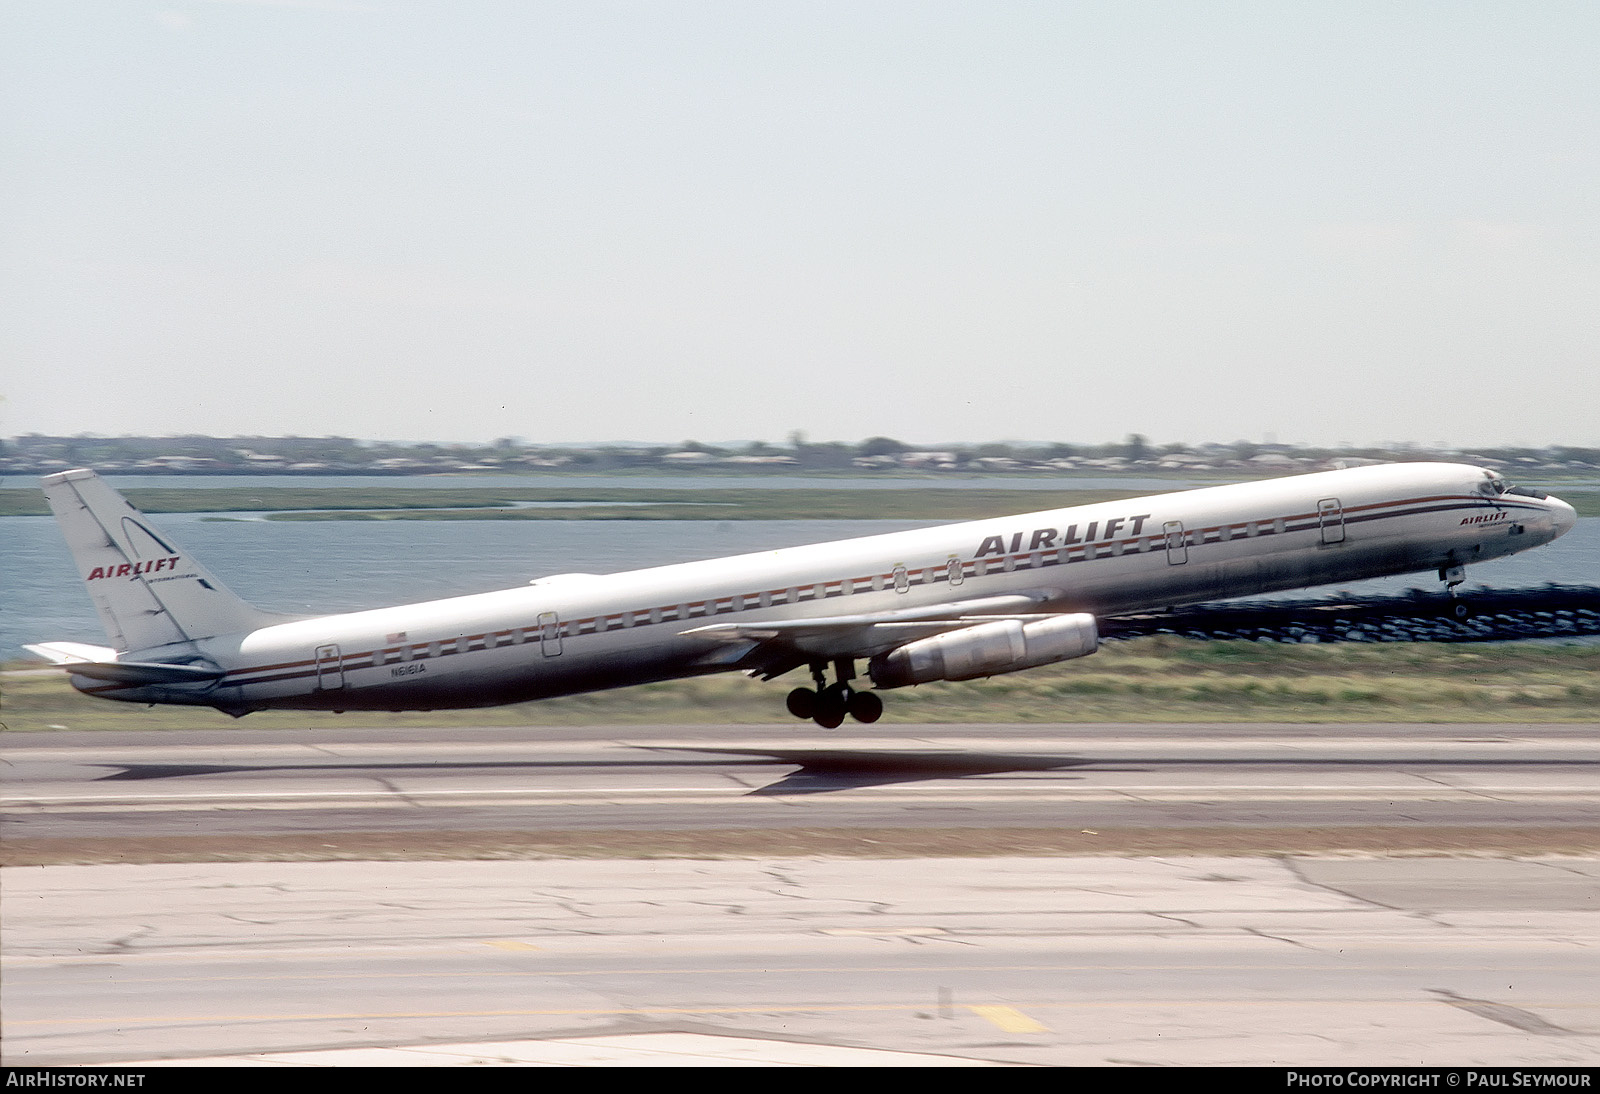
{"points": [[584, 221]]}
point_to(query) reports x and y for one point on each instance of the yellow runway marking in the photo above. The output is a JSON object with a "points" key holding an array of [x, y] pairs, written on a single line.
{"points": [[1010, 1019]]}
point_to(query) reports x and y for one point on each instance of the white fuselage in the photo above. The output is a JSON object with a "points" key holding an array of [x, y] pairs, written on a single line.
{"points": [[582, 633]]}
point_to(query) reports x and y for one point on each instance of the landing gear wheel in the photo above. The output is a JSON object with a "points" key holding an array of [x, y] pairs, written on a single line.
{"points": [[802, 702], [832, 703], [865, 707]]}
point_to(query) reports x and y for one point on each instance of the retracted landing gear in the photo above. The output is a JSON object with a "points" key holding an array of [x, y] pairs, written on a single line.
{"points": [[828, 704]]}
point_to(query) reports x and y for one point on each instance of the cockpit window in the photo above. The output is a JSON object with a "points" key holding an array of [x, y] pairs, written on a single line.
{"points": [[1493, 486]]}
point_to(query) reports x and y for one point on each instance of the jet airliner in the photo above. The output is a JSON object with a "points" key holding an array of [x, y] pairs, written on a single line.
{"points": [[955, 602]]}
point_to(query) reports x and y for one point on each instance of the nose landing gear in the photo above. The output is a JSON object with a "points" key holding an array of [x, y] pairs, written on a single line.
{"points": [[1453, 576], [828, 704]]}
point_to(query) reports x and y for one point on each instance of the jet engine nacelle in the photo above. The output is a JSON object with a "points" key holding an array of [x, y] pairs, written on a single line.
{"points": [[987, 649]]}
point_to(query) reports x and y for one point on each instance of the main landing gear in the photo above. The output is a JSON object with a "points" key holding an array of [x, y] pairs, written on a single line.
{"points": [[828, 704]]}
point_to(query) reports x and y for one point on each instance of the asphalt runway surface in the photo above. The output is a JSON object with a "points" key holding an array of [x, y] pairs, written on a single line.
{"points": [[934, 789], [1084, 894]]}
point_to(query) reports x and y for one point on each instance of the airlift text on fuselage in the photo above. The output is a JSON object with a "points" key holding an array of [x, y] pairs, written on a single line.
{"points": [[1044, 539]]}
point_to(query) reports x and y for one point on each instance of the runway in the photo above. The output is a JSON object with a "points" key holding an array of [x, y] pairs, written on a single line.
{"points": [[928, 895], [924, 789]]}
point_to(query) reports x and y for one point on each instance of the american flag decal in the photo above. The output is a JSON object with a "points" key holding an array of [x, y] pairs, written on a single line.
{"points": [[398, 636]]}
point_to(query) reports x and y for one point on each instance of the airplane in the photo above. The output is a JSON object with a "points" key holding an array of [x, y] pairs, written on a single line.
{"points": [[956, 602]]}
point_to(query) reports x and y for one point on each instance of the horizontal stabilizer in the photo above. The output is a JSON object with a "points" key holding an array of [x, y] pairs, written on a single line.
{"points": [[143, 672], [66, 653], [100, 663]]}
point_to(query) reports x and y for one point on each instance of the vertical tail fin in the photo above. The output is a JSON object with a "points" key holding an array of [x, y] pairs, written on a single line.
{"points": [[148, 591]]}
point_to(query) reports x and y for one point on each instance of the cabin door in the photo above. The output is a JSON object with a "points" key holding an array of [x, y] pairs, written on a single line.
{"points": [[1177, 543], [550, 634], [1330, 516], [330, 668]]}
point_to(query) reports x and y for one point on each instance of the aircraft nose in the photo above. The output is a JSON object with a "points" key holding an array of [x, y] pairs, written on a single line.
{"points": [[1564, 515]]}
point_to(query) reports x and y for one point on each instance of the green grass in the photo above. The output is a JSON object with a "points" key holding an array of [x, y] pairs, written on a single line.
{"points": [[1147, 680]]}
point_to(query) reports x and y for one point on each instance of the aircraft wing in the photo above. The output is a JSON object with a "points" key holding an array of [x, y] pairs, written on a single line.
{"points": [[774, 647]]}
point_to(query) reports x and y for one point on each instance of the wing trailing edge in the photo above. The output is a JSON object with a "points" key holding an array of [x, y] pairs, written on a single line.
{"points": [[793, 642]]}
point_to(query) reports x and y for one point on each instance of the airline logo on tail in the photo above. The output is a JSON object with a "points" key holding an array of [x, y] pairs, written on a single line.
{"points": [[133, 569]]}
